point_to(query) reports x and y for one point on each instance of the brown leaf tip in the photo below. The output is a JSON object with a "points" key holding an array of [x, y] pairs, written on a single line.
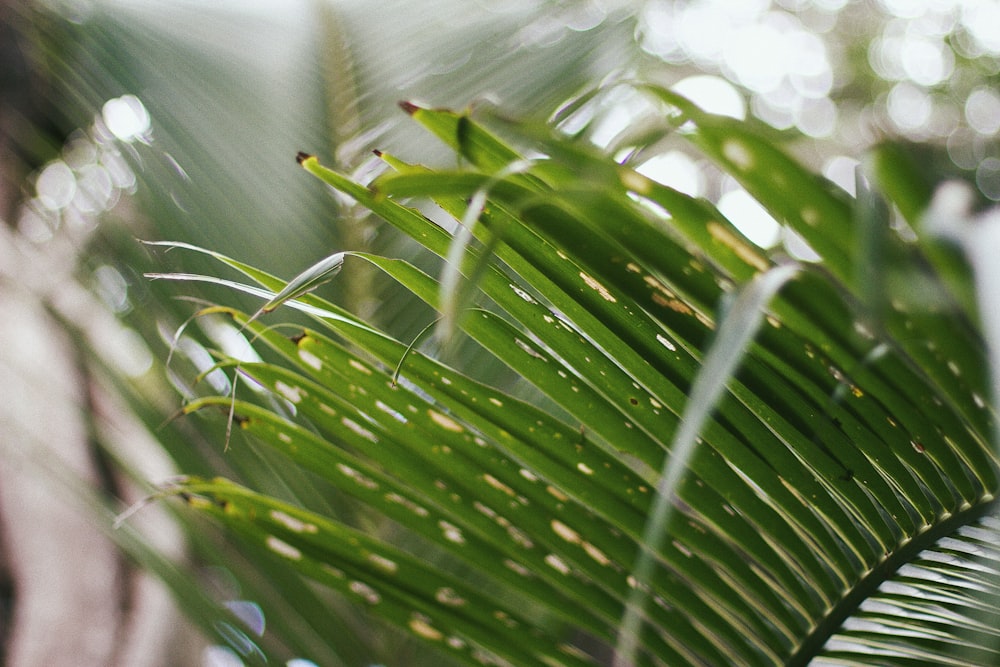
{"points": [[409, 107], [301, 157], [377, 152]]}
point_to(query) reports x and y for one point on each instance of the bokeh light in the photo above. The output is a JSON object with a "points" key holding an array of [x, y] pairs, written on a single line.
{"points": [[796, 246], [90, 176], [988, 178], [783, 65], [677, 170], [750, 217], [850, 74], [982, 110], [220, 656], [909, 106], [841, 170], [126, 118], [56, 186], [980, 19], [713, 94]]}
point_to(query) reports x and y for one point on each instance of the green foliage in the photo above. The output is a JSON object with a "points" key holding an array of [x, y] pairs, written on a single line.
{"points": [[686, 493]]}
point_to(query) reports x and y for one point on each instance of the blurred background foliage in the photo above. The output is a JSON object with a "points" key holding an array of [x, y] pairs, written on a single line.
{"points": [[156, 119]]}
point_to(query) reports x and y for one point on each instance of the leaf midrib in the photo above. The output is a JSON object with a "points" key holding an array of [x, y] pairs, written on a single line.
{"points": [[852, 599]]}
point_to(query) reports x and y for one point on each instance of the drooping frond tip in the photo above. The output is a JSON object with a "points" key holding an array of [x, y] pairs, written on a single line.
{"points": [[409, 107]]}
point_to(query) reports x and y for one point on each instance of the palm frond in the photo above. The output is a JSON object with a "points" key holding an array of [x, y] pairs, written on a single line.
{"points": [[852, 439]]}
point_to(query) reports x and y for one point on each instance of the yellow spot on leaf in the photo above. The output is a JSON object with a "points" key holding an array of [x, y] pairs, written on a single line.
{"points": [[358, 477], [565, 532], [445, 422], [448, 596], [738, 153], [293, 394], [383, 563], [665, 342], [528, 475], [292, 523], [739, 247], [810, 216], [407, 503], [422, 627], [311, 359], [596, 554], [452, 533], [498, 485], [557, 494], [635, 182], [557, 564], [358, 366], [518, 568], [366, 592], [598, 287], [283, 548], [359, 429]]}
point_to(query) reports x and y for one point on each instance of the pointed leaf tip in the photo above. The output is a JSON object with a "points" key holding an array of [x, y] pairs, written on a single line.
{"points": [[301, 157], [377, 152], [409, 107]]}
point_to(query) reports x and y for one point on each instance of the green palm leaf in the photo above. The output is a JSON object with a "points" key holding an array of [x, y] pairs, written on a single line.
{"points": [[704, 497]]}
